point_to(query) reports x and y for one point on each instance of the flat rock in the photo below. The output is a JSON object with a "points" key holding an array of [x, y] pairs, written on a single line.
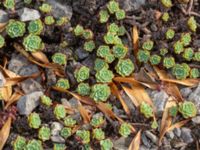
{"points": [[27, 14], [131, 5], [81, 53], [196, 120], [151, 137], [122, 143], [185, 92], [57, 139], [195, 97], [29, 70], [30, 85], [28, 103], [186, 135], [3, 16], [56, 127], [2, 80]]}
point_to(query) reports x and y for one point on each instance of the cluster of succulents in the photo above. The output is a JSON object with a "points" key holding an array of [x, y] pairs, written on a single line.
{"points": [[125, 129], [146, 110], [63, 84], [59, 58]]}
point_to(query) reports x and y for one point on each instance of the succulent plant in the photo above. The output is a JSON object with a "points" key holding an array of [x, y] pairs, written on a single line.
{"points": [[117, 40], [109, 38], [148, 45], [143, 56], [78, 30], [66, 132], [44, 133], [178, 47], [125, 129], [194, 73], [46, 100], [59, 58], [19, 143], [186, 39], [34, 145], [100, 92], [106, 144], [124, 67], [167, 3], [59, 111], [173, 111], [45, 8], [119, 51], [81, 74], [187, 109], [192, 24], [163, 51], [196, 56], [97, 121], [27, 1], [89, 46], [155, 59], [168, 62], [99, 64], [120, 14], [146, 110], [103, 16], [154, 124], [170, 34], [121, 31], [58, 146], [33, 43], [62, 21], [113, 28], [9, 4], [104, 75], [49, 20], [105, 52], [69, 121], [35, 27], [2, 41], [188, 54], [88, 34], [15, 28], [98, 134], [165, 16], [113, 6], [83, 89], [63, 84], [34, 120], [181, 71], [84, 135]]}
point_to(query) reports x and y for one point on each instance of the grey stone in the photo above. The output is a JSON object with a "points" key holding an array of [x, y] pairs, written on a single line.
{"points": [[74, 102], [186, 135], [196, 43], [30, 85], [56, 127], [60, 9], [195, 97], [143, 147], [3, 16], [51, 77], [151, 137], [122, 143], [29, 70], [2, 80], [170, 134], [185, 92], [177, 132], [27, 14], [131, 5], [57, 139], [28, 103], [196, 120], [145, 141], [159, 99], [81, 53]]}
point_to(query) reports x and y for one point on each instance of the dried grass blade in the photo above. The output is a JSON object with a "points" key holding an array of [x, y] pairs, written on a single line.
{"points": [[174, 91], [84, 114], [177, 125], [135, 144], [41, 57], [15, 97], [6, 92], [135, 38]]}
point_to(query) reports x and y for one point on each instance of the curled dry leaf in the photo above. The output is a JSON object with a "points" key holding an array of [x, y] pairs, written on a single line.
{"points": [[5, 93], [116, 92], [135, 38], [41, 57], [135, 144], [8, 73], [84, 114], [15, 97], [173, 90], [2, 26], [4, 133]]}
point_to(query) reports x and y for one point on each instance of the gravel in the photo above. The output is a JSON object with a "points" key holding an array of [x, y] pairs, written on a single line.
{"points": [[153, 138], [131, 5], [3, 16], [195, 97], [196, 120], [30, 85], [186, 135], [27, 14], [185, 92]]}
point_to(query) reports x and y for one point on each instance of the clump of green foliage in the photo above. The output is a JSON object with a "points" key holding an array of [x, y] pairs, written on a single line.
{"points": [[143, 56], [170, 34], [88, 34], [62, 21], [2, 41], [44, 133], [104, 52], [45, 8], [59, 111], [194, 73], [165, 16], [84, 135], [66, 132], [33, 43], [113, 28], [196, 56], [181, 71], [146, 110], [106, 144], [120, 14], [148, 45], [78, 30], [69, 121], [163, 51], [9, 4], [58, 146], [113, 6], [103, 16], [15, 28], [155, 59], [83, 89], [97, 121], [124, 67], [125, 129], [89, 46], [186, 38], [100, 92], [188, 54], [63, 84], [59, 58], [168, 62], [121, 31], [119, 51], [81, 74], [34, 145], [35, 27], [187, 109], [167, 3], [98, 134], [173, 111], [192, 24], [19, 143], [178, 47], [34, 120], [49, 20], [100, 64], [104, 75], [46, 100]]}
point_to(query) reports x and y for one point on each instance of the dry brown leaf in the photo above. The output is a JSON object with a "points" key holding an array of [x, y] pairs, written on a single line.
{"points": [[6, 92], [84, 114], [15, 97], [164, 77], [4, 133], [158, 14], [177, 125], [173, 90], [135, 38], [135, 144], [41, 57], [2, 26], [116, 92], [8, 73]]}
